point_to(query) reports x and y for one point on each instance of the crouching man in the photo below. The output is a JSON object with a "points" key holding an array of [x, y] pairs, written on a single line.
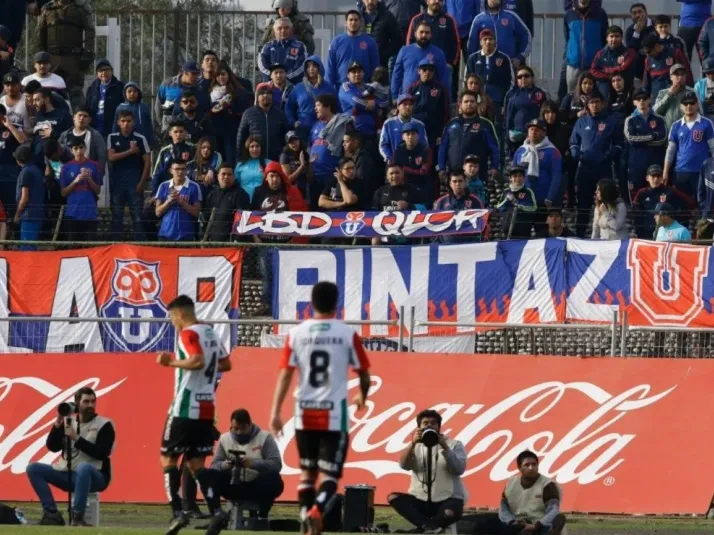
{"points": [[250, 463], [435, 500], [530, 503]]}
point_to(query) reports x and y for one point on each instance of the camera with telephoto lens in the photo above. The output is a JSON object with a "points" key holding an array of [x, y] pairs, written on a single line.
{"points": [[66, 409], [235, 456], [429, 437]]}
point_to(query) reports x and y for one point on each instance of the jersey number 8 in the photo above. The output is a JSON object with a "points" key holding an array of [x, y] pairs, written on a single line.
{"points": [[319, 368]]}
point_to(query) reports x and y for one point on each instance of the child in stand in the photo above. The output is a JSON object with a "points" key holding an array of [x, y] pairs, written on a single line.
{"points": [[379, 89], [519, 202], [141, 112], [473, 180]]}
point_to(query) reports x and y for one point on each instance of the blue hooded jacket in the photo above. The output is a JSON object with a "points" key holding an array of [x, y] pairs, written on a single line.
{"points": [[290, 53], [512, 35], [694, 12], [141, 112], [300, 107], [585, 35], [464, 12]]}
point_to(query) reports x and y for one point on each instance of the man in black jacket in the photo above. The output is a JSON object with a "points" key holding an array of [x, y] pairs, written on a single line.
{"points": [[92, 440], [193, 118], [380, 23], [368, 171], [223, 201], [104, 95], [265, 121], [404, 11]]}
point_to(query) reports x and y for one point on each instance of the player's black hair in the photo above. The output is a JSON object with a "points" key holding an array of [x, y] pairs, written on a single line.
{"points": [[84, 391], [209, 52], [428, 413], [457, 171], [82, 109], [328, 100], [46, 92], [176, 123], [225, 165], [353, 12], [527, 454], [324, 297], [354, 135], [662, 19], [242, 416], [638, 4], [614, 29], [182, 301]]}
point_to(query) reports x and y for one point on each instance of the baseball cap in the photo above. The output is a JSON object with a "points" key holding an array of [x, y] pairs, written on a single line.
{"points": [[291, 135], [11, 78], [75, 141], [42, 57], [409, 126], [677, 67], [103, 64], [472, 158], [426, 63], [282, 3], [689, 97], [654, 170], [403, 97], [663, 208], [538, 123], [708, 66], [640, 93], [485, 33], [354, 65], [516, 169], [264, 88], [275, 66], [190, 66]]}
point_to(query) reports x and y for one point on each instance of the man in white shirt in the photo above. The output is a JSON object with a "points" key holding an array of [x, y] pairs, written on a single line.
{"points": [[43, 74], [14, 102]]}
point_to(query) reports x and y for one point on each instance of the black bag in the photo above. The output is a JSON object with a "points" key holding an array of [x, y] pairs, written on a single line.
{"points": [[7, 515]]}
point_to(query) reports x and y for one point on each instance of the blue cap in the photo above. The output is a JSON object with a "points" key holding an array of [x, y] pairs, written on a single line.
{"points": [[190, 66], [663, 208], [426, 62], [403, 97], [409, 126]]}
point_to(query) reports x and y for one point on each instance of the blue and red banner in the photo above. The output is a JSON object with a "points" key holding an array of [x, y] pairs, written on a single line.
{"points": [[412, 224]]}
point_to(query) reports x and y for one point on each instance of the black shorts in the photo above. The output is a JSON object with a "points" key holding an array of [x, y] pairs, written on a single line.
{"points": [[325, 451], [187, 437]]}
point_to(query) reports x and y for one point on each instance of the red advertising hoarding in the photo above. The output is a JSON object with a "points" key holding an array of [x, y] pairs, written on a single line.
{"points": [[610, 431]]}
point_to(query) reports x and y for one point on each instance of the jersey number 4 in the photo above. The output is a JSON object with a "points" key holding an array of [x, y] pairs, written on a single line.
{"points": [[319, 369], [211, 369]]}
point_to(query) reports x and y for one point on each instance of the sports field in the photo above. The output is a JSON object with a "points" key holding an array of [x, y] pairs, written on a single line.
{"points": [[127, 519]]}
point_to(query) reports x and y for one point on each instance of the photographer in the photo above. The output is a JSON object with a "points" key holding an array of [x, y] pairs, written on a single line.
{"points": [[92, 441], [436, 494], [250, 463]]}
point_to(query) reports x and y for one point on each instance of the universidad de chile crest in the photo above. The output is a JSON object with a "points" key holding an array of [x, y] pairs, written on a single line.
{"points": [[136, 291]]}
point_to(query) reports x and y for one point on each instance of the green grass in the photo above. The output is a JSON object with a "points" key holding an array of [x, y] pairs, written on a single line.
{"points": [[131, 519]]}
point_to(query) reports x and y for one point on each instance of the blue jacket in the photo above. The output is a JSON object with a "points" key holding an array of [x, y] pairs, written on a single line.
{"points": [[647, 199], [168, 97], [646, 139], [444, 34], [688, 148], [345, 49], [705, 187], [300, 107], [694, 12], [354, 101], [522, 199], [635, 43], [113, 97], [406, 67], [391, 136], [523, 105], [522, 8], [595, 139], [706, 105], [512, 35], [469, 201], [163, 161], [464, 12], [141, 112], [431, 106], [545, 186], [609, 61], [705, 42], [249, 175], [656, 76], [290, 53], [496, 72], [584, 36], [462, 137]]}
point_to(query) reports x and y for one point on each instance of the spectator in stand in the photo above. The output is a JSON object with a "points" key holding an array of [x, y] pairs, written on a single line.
{"points": [[170, 91], [195, 121], [222, 203], [352, 46], [396, 195], [14, 103], [230, 98], [295, 161], [464, 13], [691, 142], [81, 182], [203, 169], [641, 26], [300, 108], [129, 158], [406, 66], [302, 29], [620, 101], [393, 129], [663, 28], [522, 8], [281, 86], [404, 11], [30, 197], [266, 121], [691, 20], [659, 63], [367, 173], [444, 35], [382, 26], [557, 133], [512, 34], [595, 141], [544, 168], [614, 58], [415, 160], [668, 228], [705, 42], [178, 205], [705, 188], [357, 100], [610, 214], [646, 137], [95, 148], [574, 105], [486, 109], [7, 52], [341, 193], [469, 134], [431, 102], [11, 137], [140, 111], [285, 50], [495, 69], [178, 149], [585, 34], [554, 227], [668, 103], [50, 121], [472, 164], [104, 95], [250, 171], [44, 75], [517, 199], [211, 67], [324, 152], [459, 197], [523, 103], [704, 89]]}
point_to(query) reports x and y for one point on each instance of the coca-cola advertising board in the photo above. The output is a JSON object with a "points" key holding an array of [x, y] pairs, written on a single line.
{"points": [[619, 435]]}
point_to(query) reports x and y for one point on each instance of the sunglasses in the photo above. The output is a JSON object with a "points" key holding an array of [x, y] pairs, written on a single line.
{"points": [[689, 103], [522, 76]]}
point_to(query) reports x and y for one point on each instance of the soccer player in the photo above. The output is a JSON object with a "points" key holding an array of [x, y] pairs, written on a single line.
{"points": [[322, 349], [189, 427]]}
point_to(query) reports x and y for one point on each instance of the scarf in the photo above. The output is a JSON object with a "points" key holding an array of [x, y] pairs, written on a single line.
{"points": [[531, 156], [334, 132]]}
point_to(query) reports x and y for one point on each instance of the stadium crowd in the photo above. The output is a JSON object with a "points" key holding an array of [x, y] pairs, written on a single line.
{"points": [[384, 122]]}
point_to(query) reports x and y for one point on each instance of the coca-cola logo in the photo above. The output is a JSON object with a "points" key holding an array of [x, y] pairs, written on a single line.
{"points": [[589, 450], [31, 433]]}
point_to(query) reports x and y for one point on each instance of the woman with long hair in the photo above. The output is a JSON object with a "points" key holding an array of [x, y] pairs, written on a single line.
{"points": [[295, 161], [203, 169], [229, 99], [610, 219], [485, 105], [250, 170]]}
